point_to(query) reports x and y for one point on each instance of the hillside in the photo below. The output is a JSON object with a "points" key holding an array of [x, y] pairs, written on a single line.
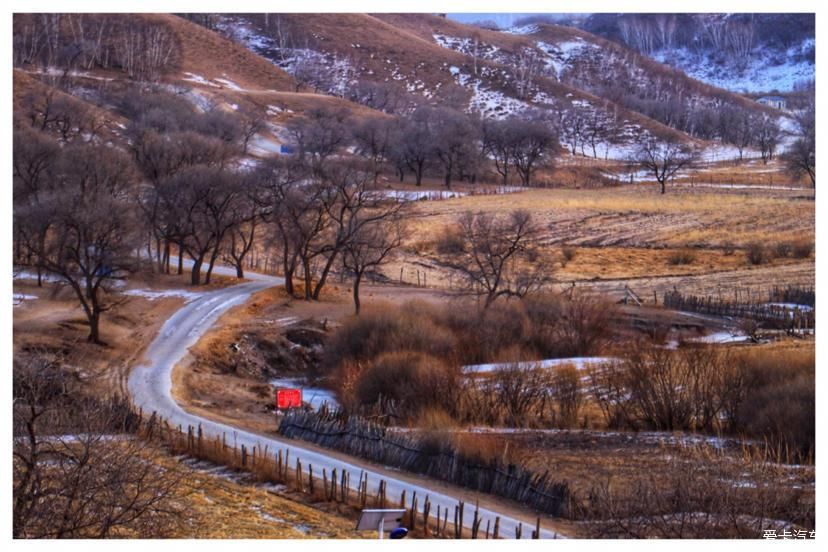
{"points": [[565, 74], [740, 52], [100, 58], [387, 53]]}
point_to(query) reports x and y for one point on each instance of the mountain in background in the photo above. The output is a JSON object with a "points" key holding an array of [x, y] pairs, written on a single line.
{"points": [[741, 52], [746, 53]]}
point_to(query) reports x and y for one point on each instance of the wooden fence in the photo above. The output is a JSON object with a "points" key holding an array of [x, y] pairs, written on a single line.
{"points": [[359, 437], [774, 313], [337, 486]]}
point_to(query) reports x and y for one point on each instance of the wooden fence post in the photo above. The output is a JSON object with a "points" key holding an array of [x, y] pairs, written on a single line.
{"points": [[426, 511], [496, 533]]}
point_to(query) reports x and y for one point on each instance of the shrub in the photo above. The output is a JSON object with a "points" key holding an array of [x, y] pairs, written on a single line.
{"points": [[699, 497], [802, 249], [659, 389], [682, 257], [569, 326], [450, 242], [386, 329], [783, 249], [484, 336], [413, 381], [568, 253], [728, 248], [756, 253], [779, 405]]}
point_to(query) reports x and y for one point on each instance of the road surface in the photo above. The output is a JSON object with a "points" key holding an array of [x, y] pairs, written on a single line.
{"points": [[150, 385]]}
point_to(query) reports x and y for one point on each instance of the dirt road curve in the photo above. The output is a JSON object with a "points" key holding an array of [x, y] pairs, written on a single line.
{"points": [[151, 388]]}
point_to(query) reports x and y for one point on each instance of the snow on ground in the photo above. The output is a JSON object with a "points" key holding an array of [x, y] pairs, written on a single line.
{"points": [[489, 103], [803, 308], [646, 437], [25, 275], [719, 338], [152, 295], [198, 79], [264, 146], [469, 47], [19, 298], [314, 396], [523, 30], [287, 320], [758, 75], [739, 186], [229, 84], [561, 56], [420, 195], [580, 363]]}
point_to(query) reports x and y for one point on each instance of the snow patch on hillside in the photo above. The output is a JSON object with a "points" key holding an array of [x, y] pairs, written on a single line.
{"points": [[469, 47], [523, 30], [762, 72], [19, 298], [564, 55]]}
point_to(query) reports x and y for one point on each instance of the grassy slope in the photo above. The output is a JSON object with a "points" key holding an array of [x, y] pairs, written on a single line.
{"points": [[371, 41]]}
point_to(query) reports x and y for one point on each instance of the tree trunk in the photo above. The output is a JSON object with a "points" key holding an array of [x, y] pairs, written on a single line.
{"points": [[357, 281], [166, 256], [308, 279], [180, 259], [240, 269], [94, 327], [213, 258], [663, 185], [195, 274], [288, 271], [317, 291]]}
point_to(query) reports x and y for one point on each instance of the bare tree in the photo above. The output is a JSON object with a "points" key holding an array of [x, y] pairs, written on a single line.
{"points": [[767, 136], [454, 141], [90, 237], [370, 247], [738, 127], [77, 470], [33, 160], [535, 144], [526, 69], [498, 144], [571, 123], [318, 134], [664, 159], [373, 140], [500, 256], [413, 147], [285, 205], [204, 200], [800, 159], [251, 126]]}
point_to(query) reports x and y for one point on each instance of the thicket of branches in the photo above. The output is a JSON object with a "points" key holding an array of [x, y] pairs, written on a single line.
{"points": [[78, 471]]}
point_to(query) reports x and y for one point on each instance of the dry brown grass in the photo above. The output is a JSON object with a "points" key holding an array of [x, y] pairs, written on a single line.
{"points": [[223, 508]]}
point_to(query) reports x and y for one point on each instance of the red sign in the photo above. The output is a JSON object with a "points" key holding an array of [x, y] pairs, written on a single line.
{"points": [[288, 398]]}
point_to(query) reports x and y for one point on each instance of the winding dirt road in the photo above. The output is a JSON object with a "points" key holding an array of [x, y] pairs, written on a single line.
{"points": [[150, 385]]}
